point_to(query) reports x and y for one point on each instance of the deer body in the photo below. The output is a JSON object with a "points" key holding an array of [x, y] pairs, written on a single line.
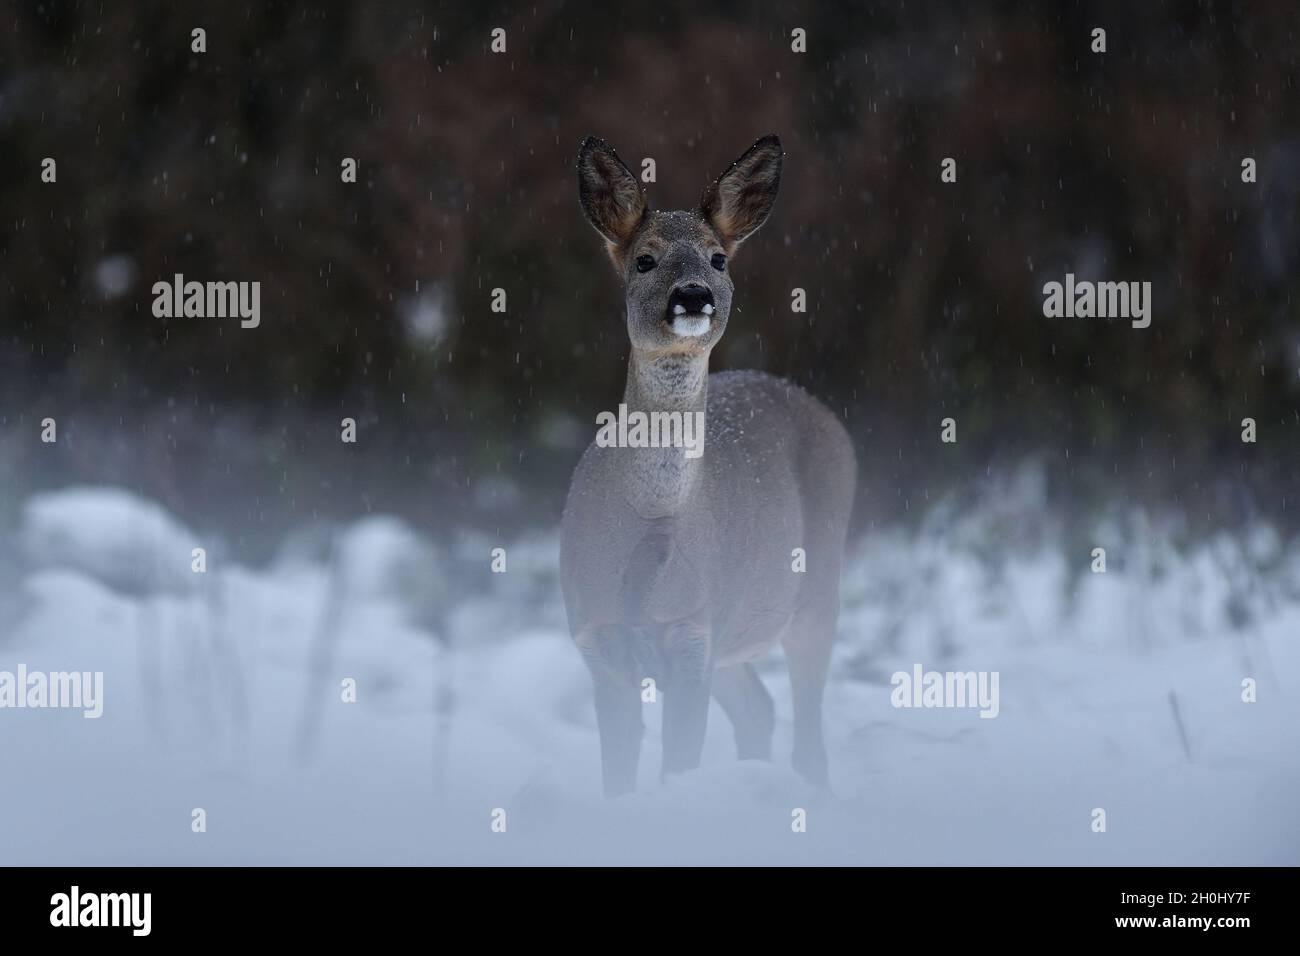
{"points": [[683, 569]]}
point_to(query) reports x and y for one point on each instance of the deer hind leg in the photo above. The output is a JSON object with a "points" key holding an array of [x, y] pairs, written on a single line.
{"points": [[808, 654], [749, 707], [618, 705]]}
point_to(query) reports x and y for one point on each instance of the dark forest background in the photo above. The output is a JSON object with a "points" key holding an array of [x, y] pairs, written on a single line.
{"points": [[924, 298]]}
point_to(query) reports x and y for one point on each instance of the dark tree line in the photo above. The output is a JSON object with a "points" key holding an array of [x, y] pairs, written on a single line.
{"points": [[924, 298]]}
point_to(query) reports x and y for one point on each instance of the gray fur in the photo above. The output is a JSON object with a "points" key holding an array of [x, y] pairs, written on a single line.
{"points": [[680, 569]]}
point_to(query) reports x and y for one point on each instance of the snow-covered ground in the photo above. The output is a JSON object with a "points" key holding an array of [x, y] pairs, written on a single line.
{"points": [[1120, 691]]}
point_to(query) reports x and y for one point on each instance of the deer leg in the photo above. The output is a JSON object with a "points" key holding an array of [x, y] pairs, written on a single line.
{"points": [[808, 654], [618, 707], [618, 715], [749, 707], [686, 697]]}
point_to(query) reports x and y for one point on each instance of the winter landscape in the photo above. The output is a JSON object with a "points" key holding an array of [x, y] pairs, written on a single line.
{"points": [[298, 529], [1119, 690]]}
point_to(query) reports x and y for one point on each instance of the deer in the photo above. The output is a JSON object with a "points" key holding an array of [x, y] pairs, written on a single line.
{"points": [[684, 570]]}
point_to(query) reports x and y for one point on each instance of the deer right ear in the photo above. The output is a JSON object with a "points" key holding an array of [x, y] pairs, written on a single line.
{"points": [[609, 193]]}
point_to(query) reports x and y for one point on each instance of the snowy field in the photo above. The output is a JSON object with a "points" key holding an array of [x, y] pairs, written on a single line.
{"points": [[1120, 691]]}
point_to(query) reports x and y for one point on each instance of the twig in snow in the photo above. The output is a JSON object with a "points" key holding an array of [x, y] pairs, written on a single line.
{"points": [[1178, 722]]}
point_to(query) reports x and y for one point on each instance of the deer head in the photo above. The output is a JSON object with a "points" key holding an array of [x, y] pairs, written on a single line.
{"points": [[674, 265]]}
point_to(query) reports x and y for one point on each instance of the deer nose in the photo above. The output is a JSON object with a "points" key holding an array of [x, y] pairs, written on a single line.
{"points": [[691, 299]]}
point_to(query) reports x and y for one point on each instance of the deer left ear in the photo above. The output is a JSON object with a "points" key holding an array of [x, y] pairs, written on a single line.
{"points": [[740, 199]]}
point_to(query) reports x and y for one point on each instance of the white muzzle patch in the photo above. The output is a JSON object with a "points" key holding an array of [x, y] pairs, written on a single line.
{"points": [[690, 326]]}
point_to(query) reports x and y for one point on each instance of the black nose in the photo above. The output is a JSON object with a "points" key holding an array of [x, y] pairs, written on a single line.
{"points": [[692, 298]]}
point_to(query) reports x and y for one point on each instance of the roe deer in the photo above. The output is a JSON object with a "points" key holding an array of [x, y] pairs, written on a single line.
{"points": [[681, 567]]}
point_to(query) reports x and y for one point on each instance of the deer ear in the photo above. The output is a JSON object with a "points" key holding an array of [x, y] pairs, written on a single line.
{"points": [[609, 193], [740, 199]]}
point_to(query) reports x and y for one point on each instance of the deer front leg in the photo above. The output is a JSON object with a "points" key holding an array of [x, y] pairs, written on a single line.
{"points": [[686, 696], [618, 706], [808, 653]]}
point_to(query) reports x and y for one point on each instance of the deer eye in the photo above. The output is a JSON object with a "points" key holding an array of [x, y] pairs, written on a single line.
{"points": [[719, 261], [645, 263]]}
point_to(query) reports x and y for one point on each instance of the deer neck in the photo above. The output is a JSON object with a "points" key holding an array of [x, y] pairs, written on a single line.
{"points": [[659, 482]]}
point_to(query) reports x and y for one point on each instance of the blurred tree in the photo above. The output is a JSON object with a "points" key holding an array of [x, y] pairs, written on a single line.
{"points": [[924, 298]]}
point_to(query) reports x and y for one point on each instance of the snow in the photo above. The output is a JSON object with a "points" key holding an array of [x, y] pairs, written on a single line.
{"points": [[1098, 672], [112, 535]]}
